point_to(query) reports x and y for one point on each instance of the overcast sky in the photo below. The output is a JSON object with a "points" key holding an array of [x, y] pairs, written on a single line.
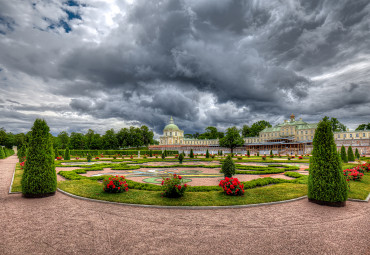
{"points": [[111, 64]]}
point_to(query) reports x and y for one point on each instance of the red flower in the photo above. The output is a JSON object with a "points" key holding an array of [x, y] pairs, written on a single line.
{"points": [[179, 187]]}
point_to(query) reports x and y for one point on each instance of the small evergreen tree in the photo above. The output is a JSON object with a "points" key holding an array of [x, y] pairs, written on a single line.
{"points": [[2, 153], [271, 155], [39, 177], [351, 157], [150, 153], [343, 154], [228, 167], [191, 153], [258, 153], [66, 154], [326, 182], [357, 154], [221, 152], [181, 158], [207, 154], [248, 153], [163, 155]]}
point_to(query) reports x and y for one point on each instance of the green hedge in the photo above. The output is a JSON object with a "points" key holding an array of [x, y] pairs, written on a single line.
{"points": [[114, 152]]}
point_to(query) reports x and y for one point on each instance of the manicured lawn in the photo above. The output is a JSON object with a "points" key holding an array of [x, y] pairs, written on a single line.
{"points": [[278, 192], [17, 187], [360, 189]]}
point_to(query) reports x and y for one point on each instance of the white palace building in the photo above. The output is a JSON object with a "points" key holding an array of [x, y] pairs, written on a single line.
{"points": [[291, 137]]}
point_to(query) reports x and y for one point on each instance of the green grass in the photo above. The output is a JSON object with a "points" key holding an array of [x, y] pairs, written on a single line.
{"points": [[17, 186], [360, 189], [93, 189]]}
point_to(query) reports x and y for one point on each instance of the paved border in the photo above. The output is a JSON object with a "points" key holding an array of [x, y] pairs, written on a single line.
{"points": [[180, 207], [11, 184], [359, 200]]}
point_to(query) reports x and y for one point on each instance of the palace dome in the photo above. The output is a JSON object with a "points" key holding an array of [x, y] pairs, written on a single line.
{"points": [[171, 126]]}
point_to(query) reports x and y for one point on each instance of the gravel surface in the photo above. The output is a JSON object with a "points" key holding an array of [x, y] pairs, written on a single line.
{"points": [[64, 225]]}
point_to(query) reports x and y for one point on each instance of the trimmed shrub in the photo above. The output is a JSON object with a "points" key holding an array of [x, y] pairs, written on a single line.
{"points": [[207, 154], [357, 154], [163, 155], [191, 153], [181, 158], [228, 167], [258, 154], [22, 153], [67, 156], [232, 186], [351, 157], [343, 154], [88, 157], [39, 177], [115, 184], [248, 153], [326, 182], [173, 186], [271, 155], [56, 152]]}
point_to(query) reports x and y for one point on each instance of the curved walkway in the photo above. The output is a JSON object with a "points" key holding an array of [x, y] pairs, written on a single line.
{"points": [[64, 225]]}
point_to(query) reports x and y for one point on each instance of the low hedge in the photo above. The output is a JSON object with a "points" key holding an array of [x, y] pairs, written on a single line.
{"points": [[114, 152], [270, 169]]}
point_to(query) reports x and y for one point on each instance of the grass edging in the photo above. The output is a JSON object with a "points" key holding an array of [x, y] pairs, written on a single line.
{"points": [[11, 184], [180, 207]]}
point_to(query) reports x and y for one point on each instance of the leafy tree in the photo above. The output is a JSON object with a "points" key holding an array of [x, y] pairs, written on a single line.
{"points": [[20, 140], [3, 136], [77, 141], [96, 142], [357, 154], [351, 157], [136, 137], [363, 127], [246, 131], [343, 154], [110, 141], [207, 154], [2, 153], [326, 182], [336, 125], [39, 177], [196, 135], [189, 136], [220, 135], [258, 126], [228, 167], [147, 135], [63, 140], [232, 139], [10, 140], [67, 156]]}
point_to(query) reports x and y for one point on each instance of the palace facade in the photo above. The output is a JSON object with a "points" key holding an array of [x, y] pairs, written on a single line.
{"points": [[291, 137]]}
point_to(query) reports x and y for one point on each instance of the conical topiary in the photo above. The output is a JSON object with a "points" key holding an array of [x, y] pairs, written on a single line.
{"points": [[343, 154], [191, 153], [351, 157], [39, 177], [326, 182], [56, 152], [181, 158], [67, 156], [2, 153], [21, 153], [228, 167], [271, 155], [248, 153], [207, 154], [357, 154]]}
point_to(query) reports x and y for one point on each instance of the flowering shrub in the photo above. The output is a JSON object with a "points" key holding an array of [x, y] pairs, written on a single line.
{"points": [[232, 186], [293, 157], [300, 157], [352, 174], [173, 186], [263, 157], [240, 158], [77, 158], [59, 158], [96, 158], [22, 164], [131, 157], [364, 168], [115, 184]]}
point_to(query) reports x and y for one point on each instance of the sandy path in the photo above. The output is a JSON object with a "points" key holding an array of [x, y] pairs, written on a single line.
{"points": [[64, 225]]}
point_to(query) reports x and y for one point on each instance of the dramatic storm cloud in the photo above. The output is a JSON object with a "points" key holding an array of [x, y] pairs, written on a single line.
{"points": [[102, 64]]}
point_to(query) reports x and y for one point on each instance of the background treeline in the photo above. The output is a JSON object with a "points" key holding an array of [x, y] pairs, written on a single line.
{"points": [[133, 137]]}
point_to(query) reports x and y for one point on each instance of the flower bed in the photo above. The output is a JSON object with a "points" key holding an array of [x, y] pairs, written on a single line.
{"points": [[115, 184], [232, 186], [173, 186], [353, 174]]}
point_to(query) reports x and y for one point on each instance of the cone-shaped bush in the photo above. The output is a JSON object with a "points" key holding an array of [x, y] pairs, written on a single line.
{"points": [[248, 153], [150, 153], [181, 158], [357, 154], [39, 177], [67, 156], [326, 182], [228, 167], [351, 157], [21, 153], [191, 153], [2, 153], [56, 152], [343, 154], [207, 154]]}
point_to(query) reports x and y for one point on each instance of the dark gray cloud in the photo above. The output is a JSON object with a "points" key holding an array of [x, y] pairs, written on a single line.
{"points": [[204, 62]]}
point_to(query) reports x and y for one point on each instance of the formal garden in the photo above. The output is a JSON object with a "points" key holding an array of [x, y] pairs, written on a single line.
{"points": [[177, 179]]}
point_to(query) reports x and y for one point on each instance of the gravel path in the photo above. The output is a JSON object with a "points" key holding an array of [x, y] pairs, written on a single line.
{"points": [[64, 225]]}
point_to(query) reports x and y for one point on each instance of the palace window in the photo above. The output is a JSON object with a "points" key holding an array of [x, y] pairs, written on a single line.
{"points": [[170, 133], [350, 135], [357, 135], [363, 135], [175, 133], [338, 136], [306, 132], [344, 136]]}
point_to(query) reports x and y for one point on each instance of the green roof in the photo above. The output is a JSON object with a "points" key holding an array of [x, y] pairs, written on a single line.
{"points": [[300, 124], [171, 126]]}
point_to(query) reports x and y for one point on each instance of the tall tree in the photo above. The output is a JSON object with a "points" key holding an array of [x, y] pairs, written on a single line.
{"points": [[147, 135], [2, 136], [123, 137], [77, 141], [10, 140], [246, 131], [258, 126], [63, 140], [326, 182], [336, 125], [363, 127], [110, 141], [232, 139]]}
